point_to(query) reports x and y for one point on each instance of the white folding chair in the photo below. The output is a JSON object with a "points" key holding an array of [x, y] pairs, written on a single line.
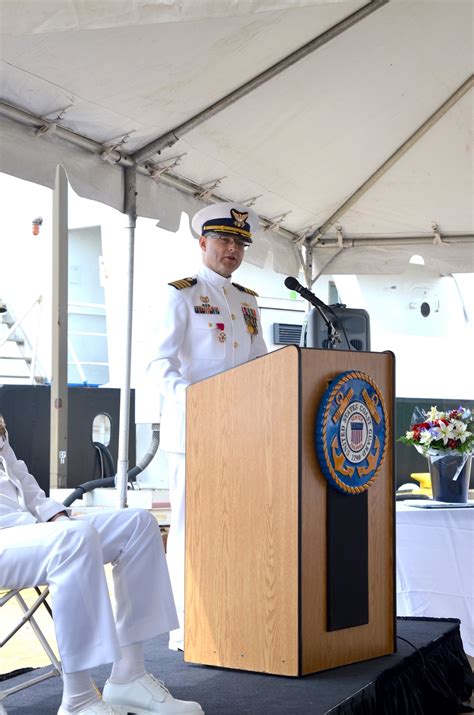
{"points": [[28, 618]]}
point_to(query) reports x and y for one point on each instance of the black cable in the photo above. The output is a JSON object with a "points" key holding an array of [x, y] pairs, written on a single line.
{"points": [[101, 461], [107, 461], [417, 650], [88, 487]]}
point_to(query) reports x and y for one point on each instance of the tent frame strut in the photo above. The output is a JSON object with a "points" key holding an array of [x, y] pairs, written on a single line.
{"points": [[393, 158], [171, 137], [188, 186]]}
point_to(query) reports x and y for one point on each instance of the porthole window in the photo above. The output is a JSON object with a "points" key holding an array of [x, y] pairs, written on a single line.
{"points": [[101, 429], [425, 309]]}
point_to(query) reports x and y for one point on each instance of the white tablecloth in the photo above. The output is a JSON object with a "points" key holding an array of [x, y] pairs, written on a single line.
{"points": [[435, 565]]}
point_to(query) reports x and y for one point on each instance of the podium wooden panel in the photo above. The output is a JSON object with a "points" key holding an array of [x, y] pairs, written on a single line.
{"points": [[256, 519]]}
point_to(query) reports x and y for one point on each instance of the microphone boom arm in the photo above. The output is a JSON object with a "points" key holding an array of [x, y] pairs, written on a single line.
{"points": [[333, 336]]}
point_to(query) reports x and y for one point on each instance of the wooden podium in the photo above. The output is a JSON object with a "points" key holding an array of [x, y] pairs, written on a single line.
{"points": [[256, 557]]}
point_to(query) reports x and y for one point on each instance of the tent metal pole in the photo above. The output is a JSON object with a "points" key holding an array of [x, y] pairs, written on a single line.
{"points": [[172, 136], [308, 265], [379, 241], [122, 461], [59, 391], [33, 120], [402, 149], [120, 158], [301, 260]]}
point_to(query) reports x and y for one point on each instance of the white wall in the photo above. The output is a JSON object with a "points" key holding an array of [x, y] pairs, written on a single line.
{"points": [[432, 353], [25, 265]]}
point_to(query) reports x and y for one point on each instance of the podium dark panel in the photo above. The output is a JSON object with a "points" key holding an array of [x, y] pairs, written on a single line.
{"points": [[347, 559], [26, 409]]}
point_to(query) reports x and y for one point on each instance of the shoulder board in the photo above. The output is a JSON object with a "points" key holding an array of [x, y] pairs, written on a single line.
{"points": [[245, 290], [183, 283]]}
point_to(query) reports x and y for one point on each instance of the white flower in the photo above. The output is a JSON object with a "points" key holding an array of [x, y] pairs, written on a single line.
{"points": [[410, 434], [433, 414], [444, 432], [460, 431], [425, 437]]}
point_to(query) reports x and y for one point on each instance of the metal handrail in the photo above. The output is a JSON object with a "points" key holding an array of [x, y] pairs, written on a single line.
{"points": [[31, 362], [18, 322]]}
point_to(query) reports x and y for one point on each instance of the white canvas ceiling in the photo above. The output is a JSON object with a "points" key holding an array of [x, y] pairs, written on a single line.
{"points": [[126, 72]]}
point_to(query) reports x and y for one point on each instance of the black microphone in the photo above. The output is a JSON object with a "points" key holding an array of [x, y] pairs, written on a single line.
{"points": [[293, 284]]}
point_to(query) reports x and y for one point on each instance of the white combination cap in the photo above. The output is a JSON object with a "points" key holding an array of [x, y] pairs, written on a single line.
{"points": [[226, 218]]}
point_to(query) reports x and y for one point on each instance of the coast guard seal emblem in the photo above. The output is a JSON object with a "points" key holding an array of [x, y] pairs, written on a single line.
{"points": [[351, 432]]}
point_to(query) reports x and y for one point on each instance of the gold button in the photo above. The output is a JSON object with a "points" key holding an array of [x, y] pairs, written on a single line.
{"points": [[232, 316], [236, 344], [224, 291]]}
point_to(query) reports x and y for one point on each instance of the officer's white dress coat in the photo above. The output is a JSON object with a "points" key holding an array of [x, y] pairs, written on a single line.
{"points": [[204, 328], [68, 555]]}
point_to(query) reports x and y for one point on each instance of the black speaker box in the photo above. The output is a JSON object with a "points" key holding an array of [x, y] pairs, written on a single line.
{"points": [[26, 409], [351, 322]]}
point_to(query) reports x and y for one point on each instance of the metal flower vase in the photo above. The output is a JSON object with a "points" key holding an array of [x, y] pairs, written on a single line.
{"points": [[450, 475]]}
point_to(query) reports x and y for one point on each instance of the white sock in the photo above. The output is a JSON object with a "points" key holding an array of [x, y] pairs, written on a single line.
{"points": [[130, 666], [79, 691]]}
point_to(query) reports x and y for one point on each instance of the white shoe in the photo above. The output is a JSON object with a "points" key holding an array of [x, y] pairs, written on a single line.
{"points": [[148, 695], [98, 708]]}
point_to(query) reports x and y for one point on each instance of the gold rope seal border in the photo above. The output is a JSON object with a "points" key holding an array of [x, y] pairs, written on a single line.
{"points": [[353, 376]]}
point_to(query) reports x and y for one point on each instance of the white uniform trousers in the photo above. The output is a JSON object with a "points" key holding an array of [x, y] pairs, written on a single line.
{"points": [[68, 555], [175, 546]]}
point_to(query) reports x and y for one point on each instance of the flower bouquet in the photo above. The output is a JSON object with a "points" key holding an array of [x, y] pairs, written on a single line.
{"points": [[447, 440]]}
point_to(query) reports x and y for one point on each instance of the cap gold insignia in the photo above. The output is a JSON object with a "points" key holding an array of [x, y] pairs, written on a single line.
{"points": [[239, 218], [204, 298]]}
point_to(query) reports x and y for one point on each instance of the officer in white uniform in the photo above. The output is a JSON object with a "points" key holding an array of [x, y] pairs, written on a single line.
{"points": [[207, 324], [41, 544]]}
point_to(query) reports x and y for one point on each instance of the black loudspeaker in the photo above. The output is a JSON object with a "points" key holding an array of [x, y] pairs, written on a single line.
{"points": [[354, 322], [26, 409]]}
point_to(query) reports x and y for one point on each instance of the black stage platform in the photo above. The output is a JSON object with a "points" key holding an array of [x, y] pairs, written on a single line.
{"points": [[429, 675]]}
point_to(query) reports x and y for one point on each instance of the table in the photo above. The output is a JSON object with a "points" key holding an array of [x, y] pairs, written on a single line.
{"points": [[435, 565]]}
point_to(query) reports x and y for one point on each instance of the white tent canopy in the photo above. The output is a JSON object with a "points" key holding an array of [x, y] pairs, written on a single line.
{"points": [[360, 144], [347, 125]]}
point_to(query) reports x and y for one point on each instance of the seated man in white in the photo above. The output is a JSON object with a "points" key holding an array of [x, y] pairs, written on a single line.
{"points": [[41, 544]]}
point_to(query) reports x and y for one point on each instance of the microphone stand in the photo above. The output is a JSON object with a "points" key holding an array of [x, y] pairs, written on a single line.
{"points": [[333, 336]]}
